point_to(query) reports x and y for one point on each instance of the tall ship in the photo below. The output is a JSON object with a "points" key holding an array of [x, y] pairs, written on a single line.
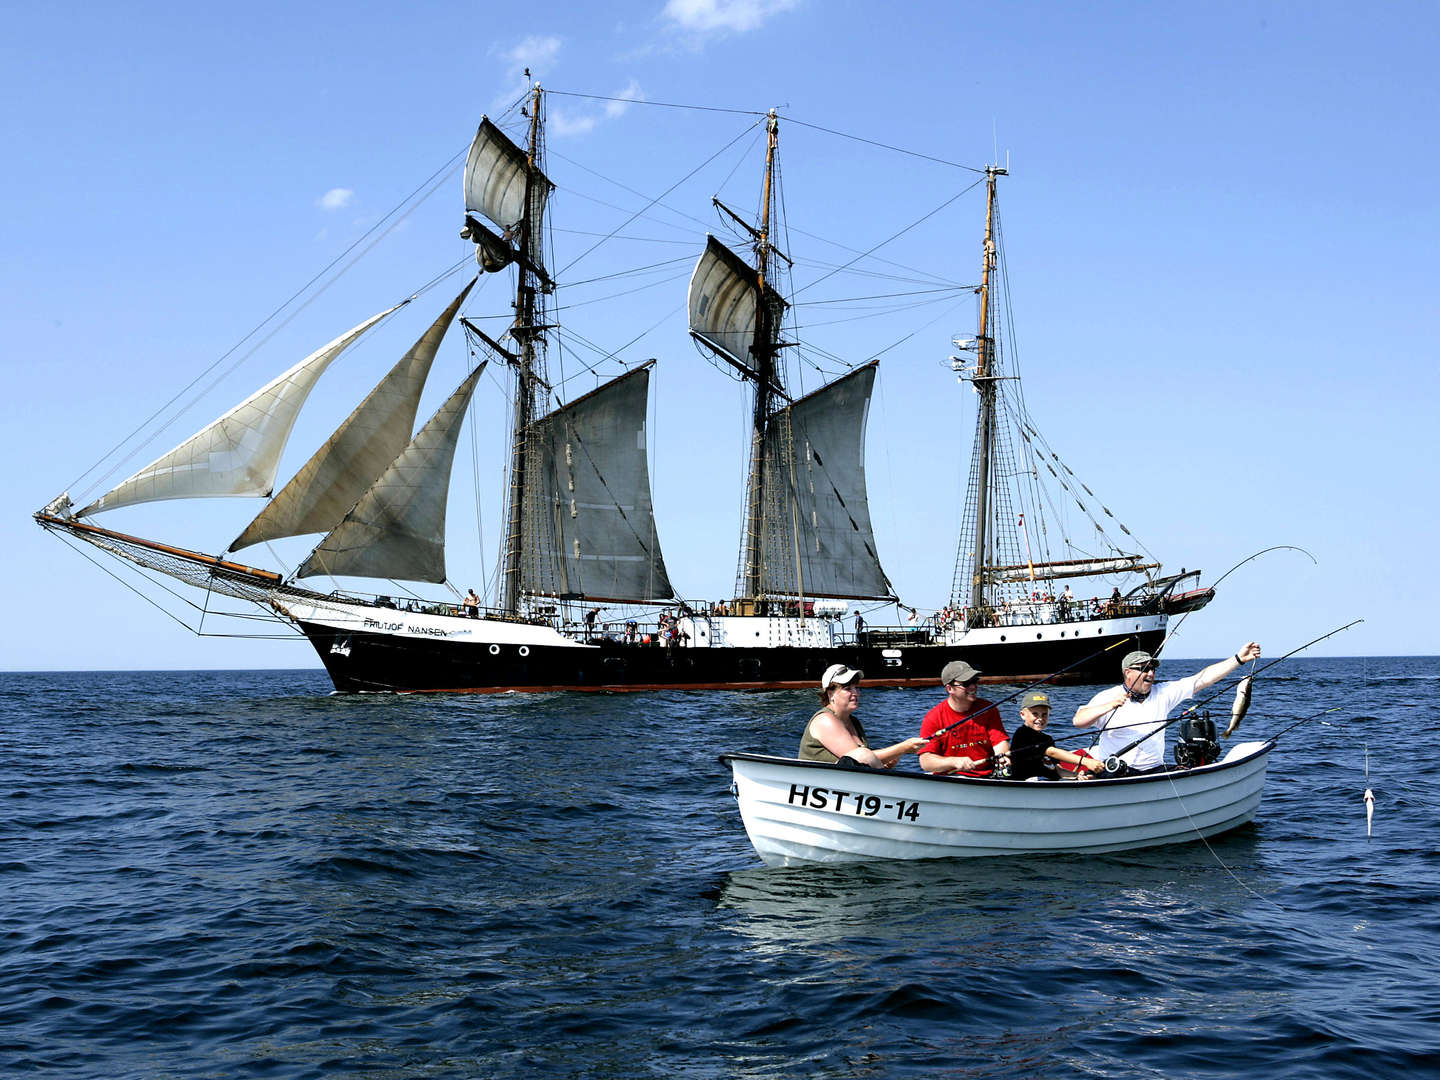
{"points": [[582, 597]]}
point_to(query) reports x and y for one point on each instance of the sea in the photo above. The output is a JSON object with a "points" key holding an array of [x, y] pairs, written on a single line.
{"points": [[242, 874]]}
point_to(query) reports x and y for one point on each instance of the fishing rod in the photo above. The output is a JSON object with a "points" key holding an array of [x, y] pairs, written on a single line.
{"points": [[1306, 720], [1222, 577], [1026, 689], [1115, 757]]}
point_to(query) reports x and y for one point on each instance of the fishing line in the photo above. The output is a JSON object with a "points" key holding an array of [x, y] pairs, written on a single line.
{"points": [[1222, 577]]}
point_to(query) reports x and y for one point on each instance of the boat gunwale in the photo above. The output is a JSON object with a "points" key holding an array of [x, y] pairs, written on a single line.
{"points": [[1211, 769]]}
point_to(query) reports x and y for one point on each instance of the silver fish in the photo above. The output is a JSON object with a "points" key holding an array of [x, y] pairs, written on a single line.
{"points": [[1240, 707]]}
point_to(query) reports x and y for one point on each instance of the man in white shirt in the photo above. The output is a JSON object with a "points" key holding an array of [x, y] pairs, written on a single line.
{"points": [[1136, 710]]}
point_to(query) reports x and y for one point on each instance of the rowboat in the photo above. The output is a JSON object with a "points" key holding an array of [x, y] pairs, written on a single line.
{"points": [[799, 812]]}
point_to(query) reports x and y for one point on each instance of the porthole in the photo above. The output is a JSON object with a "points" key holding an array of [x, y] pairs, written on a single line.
{"points": [[494, 650], [524, 650]]}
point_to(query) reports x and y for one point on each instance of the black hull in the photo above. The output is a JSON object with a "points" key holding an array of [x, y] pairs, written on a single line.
{"points": [[359, 661]]}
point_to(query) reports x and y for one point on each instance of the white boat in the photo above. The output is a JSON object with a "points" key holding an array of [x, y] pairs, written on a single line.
{"points": [[812, 812]]}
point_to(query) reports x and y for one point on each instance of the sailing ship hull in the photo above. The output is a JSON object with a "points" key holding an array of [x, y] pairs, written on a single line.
{"points": [[810, 812], [380, 649]]}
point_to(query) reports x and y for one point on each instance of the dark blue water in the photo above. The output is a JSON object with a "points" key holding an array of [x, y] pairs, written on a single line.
{"points": [[231, 874]]}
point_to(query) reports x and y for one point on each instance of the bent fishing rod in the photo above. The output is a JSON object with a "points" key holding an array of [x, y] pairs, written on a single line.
{"points": [[1174, 719], [1026, 689], [1222, 577]]}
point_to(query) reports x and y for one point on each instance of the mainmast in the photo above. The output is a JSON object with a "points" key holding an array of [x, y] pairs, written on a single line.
{"points": [[526, 331], [763, 351], [984, 382]]}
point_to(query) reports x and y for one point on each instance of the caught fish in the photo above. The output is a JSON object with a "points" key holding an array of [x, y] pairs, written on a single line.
{"points": [[1369, 810], [1240, 707]]}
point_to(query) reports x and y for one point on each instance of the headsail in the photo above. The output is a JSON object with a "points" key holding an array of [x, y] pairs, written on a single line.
{"points": [[591, 533], [371, 437], [239, 453], [816, 532], [397, 529], [722, 302]]}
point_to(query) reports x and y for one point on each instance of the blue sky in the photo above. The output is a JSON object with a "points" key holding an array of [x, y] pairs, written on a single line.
{"points": [[1221, 224]]}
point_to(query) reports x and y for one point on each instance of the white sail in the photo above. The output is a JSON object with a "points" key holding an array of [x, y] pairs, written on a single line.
{"points": [[239, 453], [816, 534], [371, 437], [397, 529], [592, 533], [722, 302], [495, 173]]}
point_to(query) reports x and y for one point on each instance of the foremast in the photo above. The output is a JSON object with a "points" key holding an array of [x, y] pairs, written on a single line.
{"points": [[528, 330]]}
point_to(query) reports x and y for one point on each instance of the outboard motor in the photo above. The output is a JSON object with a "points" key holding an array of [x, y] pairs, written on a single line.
{"points": [[1197, 744]]}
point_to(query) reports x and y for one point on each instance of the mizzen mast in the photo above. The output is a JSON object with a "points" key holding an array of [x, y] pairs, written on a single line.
{"points": [[984, 382], [763, 351]]}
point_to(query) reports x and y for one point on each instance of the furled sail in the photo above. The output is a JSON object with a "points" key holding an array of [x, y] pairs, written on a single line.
{"points": [[239, 453], [397, 529], [371, 437], [1068, 568], [816, 525], [723, 289], [592, 532], [495, 174]]}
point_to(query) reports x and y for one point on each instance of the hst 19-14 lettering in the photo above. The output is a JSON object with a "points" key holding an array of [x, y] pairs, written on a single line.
{"points": [[849, 802]]}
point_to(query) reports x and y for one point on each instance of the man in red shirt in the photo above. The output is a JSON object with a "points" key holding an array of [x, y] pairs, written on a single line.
{"points": [[976, 736]]}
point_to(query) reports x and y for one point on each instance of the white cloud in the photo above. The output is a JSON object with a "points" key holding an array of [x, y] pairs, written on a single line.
{"points": [[631, 93], [736, 16], [563, 122], [336, 199], [535, 52]]}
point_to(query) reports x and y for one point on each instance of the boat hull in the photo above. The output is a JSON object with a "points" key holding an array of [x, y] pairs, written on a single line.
{"points": [[799, 812], [370, 649]]}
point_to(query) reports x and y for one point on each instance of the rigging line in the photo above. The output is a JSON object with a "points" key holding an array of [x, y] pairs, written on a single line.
{"points": [[657, 104], [686, 258], [907, 337], [885, 146], [920, 276], [442, 173], [918, 221], [654, 201], [183, 599], [881, 296], [658, 283]]}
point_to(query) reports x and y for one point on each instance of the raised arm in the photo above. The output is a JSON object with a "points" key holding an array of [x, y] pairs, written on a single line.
{"points": [[1215, 672]]}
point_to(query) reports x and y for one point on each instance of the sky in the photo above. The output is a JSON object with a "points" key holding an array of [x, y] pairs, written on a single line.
{"points": [[1220, 225]]}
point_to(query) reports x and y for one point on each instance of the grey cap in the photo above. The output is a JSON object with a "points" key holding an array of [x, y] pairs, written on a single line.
{"points": [[1034, 698], [1137, 659], [957, 671]]}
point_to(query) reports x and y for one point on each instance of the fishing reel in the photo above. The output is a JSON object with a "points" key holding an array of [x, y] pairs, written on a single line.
{"points": [[1197, 743]]}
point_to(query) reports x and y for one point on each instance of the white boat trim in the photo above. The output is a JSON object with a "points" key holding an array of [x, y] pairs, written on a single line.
{"points": [[811, 812]]}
